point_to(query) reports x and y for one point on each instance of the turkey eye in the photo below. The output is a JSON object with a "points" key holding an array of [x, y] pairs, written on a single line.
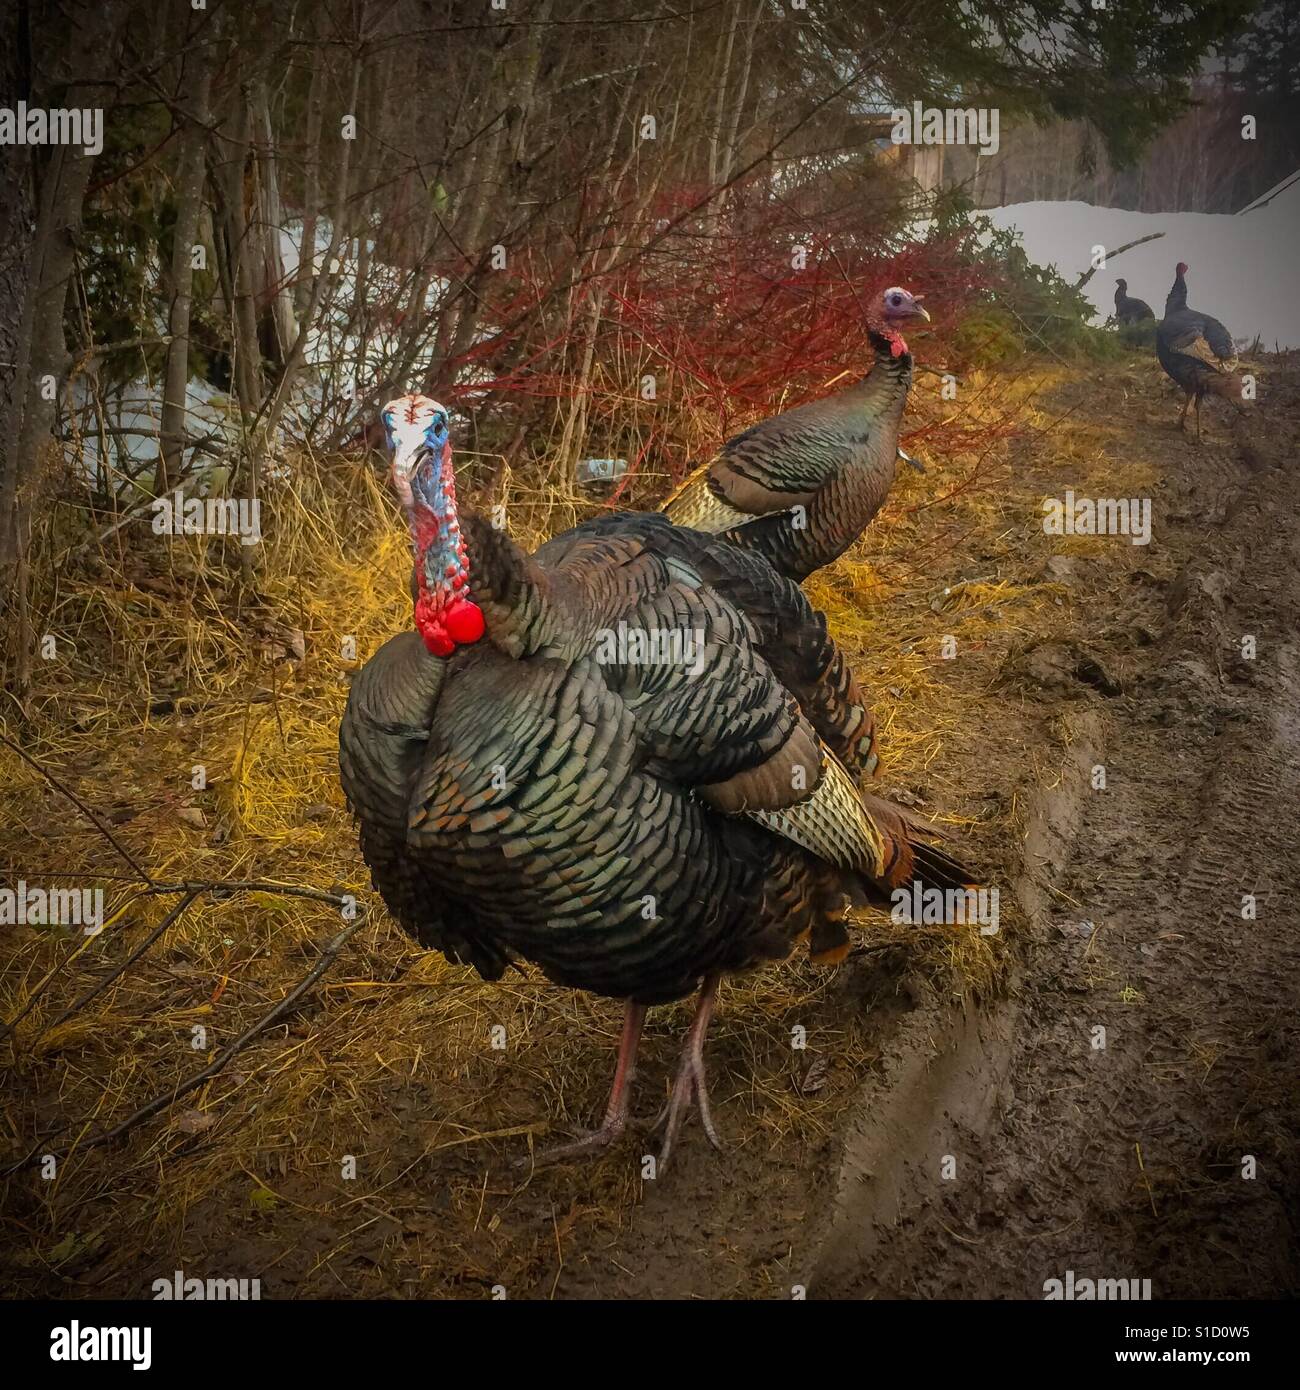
{"points": [[895, 299]]}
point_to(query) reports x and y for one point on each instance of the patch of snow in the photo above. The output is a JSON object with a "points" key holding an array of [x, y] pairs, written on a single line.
{"points": [[354, 345], [1242, 267], [129, 430]]}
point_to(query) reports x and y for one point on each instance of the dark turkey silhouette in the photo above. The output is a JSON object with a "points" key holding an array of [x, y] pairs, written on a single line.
{"points": [[530, 786], [1198, 353], [834, 457], [1177, 297], [1128, 310]]}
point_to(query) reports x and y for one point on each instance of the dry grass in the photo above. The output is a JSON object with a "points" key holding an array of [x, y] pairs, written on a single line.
{"points": [[165, 661]]}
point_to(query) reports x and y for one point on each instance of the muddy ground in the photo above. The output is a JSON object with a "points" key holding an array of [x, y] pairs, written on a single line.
{"points": [[1169, 1154], [936, 1138]]}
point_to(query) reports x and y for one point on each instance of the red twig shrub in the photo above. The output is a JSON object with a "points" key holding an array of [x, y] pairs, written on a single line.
{"points": [[702, 324]]}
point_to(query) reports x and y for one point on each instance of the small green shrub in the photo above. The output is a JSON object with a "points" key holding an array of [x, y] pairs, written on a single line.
{"points": [[1028, 307], [1138, 336], [988, 338]]}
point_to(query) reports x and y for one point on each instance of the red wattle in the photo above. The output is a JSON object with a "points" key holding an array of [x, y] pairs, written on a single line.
{"points": [[898, 347], [451, 625], [463, 621]]}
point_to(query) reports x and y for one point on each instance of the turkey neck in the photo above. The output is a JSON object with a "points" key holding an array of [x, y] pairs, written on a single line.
{"points": [[463, 563], [446, 615], [434, 522], [1177, 297], [869, 415], [528, 610], [885, 386], [841, 512], [878, 399]]}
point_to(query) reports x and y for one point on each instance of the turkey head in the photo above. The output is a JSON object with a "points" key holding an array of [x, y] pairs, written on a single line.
{"points": [[892, 308], [420, 439]]}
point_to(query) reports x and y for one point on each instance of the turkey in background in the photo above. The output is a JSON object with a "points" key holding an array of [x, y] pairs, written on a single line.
{"points": [[836, 457], [1197, 352], [1127, 309]]}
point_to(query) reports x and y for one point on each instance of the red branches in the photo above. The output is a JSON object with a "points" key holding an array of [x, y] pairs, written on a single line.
{"points": [[728, 318]]}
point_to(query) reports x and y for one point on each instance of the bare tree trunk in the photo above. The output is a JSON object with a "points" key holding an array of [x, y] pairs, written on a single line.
{"points": [[724, 70], [415, 323], [189, 198], [17, 257], [40, 218], [486, 173], [729, 147], [271, 286], [575, 420], [64, 183], [294, 360], [238, 252], [363, 314], [42, 363], [490, 161], [248, 355], [311, 191]]}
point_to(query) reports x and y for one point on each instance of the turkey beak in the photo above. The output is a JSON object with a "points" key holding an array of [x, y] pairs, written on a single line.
{"points": [[918, 312], [406, 463], [400, 473]]}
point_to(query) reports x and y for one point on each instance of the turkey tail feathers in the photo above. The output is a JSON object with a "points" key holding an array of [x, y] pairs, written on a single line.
{"points": [[832, 823], [935, 868], [867, 837], [872, 849], [910, 857]]}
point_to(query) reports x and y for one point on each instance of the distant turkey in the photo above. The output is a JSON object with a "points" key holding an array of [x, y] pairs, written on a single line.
{"points": [[1177, 297], [835, 457], [1197, 352], [531, 783], [1128, 310]]}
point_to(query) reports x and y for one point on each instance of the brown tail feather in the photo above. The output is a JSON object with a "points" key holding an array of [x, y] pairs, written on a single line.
{"points": [[932, 868], [907, 859], [907, 820], [908, 856]]}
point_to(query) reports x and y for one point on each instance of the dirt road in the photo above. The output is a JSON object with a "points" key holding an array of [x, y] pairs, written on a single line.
{"points": [[1170, 1152]]}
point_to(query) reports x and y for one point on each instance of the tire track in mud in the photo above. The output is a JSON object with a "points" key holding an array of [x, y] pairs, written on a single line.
{"points": [[1130, 1161]]}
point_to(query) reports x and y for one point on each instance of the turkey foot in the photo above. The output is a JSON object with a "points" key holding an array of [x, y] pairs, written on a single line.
{"points": [[615, 1121], [690, 1080]]}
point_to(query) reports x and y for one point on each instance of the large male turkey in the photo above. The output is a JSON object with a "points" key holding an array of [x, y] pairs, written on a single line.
{"points": [[1197, 352], [621, 758], [1128, 309], [833, 457]]}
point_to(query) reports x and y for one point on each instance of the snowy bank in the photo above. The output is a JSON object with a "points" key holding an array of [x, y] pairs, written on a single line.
{"points": [[1244, 268]]}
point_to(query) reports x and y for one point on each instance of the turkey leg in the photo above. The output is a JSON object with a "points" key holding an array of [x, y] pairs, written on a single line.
{"points": [[1198, 419], [1182, 419], [690, 1077], [615, 1121]]}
